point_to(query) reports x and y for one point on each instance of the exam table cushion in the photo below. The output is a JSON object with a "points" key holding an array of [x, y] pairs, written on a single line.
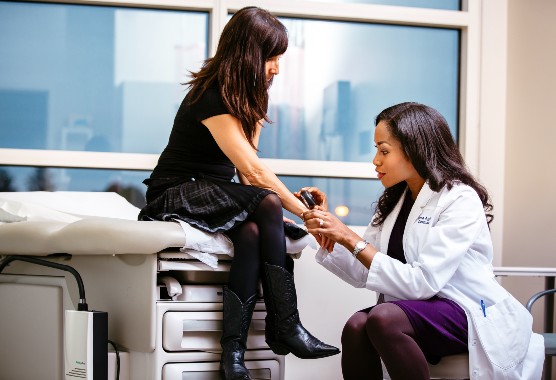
{"points": [[96, 235], [100, 223], [42, 223]]}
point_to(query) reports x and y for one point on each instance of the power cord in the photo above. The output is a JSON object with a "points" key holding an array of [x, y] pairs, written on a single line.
{"points": [[117, 359], [82, 306]]}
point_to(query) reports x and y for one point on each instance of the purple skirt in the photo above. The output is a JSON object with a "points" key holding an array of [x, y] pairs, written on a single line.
{"points": [[440, 326]]}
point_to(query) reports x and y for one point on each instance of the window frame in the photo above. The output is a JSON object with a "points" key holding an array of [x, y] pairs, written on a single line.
{"points": [[468, 21]]}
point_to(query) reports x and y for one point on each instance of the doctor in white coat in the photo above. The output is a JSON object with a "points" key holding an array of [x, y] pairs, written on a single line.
{"points": [[428, 252]]}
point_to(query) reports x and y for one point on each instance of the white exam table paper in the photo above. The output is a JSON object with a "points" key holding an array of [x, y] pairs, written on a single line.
{"points": [[85, 223]]}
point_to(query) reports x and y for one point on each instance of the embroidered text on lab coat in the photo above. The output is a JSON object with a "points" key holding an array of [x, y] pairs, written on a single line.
{"points": [[424, 220]]}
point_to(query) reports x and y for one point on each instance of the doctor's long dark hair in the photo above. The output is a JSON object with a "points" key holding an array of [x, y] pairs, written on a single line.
{"points": [[427, 142], [248, 40]]}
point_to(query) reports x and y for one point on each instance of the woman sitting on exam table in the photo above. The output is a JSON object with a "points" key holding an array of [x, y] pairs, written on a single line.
{"points": [[215, 133], [428, 253]]}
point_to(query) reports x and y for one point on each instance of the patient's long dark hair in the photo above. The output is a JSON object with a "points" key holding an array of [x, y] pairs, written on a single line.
{"points": [[248, 40], [428, 144]]}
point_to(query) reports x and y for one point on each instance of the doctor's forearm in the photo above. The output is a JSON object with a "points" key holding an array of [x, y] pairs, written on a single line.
{"points": [[366, 255]]}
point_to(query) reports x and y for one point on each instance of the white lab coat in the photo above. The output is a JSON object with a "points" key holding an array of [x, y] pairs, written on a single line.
{"points": [[448, 250]]}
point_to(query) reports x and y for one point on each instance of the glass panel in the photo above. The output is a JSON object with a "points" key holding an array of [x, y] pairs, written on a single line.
{"points": [[77, 77], [352, 200], [357, 197], [329, 90], [126, 183], [454, 5]]}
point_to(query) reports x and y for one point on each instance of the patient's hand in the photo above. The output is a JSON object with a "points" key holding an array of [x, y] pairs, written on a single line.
{"points": [[318, 195]]}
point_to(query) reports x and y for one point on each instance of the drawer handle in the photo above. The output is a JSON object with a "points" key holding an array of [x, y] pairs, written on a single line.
{"points": [[192, 325], [259, 374], [262, 374]]}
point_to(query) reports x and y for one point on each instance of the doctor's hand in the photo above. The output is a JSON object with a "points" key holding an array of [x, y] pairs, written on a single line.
{"points": [[327, 243], [323, 241], [321, 222]]}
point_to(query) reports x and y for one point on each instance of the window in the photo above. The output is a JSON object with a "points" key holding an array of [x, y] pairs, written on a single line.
{"points": [[433, 4], [90, 78], [329, 91], [88, 93], [124, 182]]}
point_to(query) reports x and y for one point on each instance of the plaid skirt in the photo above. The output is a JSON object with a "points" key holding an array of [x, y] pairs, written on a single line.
{"points": [[208, 204]]}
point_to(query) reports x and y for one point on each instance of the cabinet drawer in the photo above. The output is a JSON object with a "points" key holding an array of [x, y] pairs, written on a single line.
{"points": [[186, 331], [195, 272], [259, 369], [190, 293]]}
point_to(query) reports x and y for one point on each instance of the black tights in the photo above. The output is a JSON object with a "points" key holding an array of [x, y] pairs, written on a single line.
{"points": [[384, 333], [258, 240]]}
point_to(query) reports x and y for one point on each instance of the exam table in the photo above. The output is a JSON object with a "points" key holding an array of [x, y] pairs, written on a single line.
{"points": [[160, 283]]}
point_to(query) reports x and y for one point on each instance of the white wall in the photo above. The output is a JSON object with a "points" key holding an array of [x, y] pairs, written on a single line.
{"points": [[492, 117], [530, 184], [530, 174], [325, 303]]}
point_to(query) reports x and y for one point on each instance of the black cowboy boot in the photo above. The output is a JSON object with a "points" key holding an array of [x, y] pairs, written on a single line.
{"points": [[236, 320], [284, 332]]}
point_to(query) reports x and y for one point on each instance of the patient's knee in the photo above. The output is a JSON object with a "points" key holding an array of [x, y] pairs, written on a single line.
{"points": [[271, 204]]}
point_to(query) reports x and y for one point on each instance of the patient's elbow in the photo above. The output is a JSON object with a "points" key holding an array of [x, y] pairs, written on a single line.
{"points": [[256, 177]]}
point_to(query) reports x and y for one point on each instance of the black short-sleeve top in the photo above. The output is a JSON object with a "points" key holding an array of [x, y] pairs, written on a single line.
{"points": [[191, 149]]}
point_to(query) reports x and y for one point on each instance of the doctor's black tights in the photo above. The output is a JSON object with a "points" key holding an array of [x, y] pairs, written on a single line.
{"points": [[258, 240], [383, 331]]}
